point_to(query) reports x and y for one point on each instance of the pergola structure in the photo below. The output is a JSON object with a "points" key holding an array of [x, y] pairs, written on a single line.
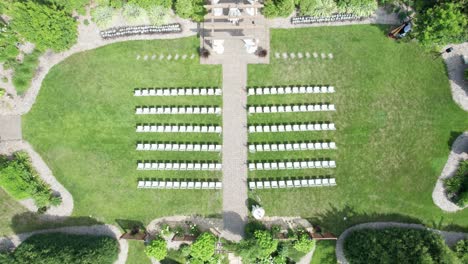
{"points": [[235, 27]]}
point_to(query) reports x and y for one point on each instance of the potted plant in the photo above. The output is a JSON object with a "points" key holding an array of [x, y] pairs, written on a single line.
{"points": [[261, 52], [204, 53]]}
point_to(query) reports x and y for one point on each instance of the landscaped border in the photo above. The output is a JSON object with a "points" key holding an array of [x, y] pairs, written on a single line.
{"points": [[458, 153], [450, 237], [11, 242]]}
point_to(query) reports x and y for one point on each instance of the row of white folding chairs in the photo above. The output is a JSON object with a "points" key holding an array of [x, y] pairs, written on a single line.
{"points": [[177, 128], [291, 108], [176, 91], [178, 147], [292, 165], [292, 128], [291, 146], [153, 110], [178, 185], [178, 166], [291, 183], [291, 90]]}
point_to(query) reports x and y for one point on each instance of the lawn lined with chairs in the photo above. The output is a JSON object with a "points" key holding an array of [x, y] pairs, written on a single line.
{"points": [[84, 126], [394, 120]]}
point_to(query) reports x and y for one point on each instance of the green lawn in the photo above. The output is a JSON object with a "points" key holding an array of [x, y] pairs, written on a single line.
{"points": [[83, 125], [324, 252], [395, 118], [136, 253], [9, 207]]}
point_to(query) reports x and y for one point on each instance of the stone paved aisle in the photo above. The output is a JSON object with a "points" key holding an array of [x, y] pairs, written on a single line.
{"points": [[234, 149]]}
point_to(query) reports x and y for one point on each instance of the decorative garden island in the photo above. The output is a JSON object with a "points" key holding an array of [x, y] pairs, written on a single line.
{"points": [[227, 133]]}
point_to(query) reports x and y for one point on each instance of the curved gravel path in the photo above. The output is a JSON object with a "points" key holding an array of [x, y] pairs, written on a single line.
{"points": [[66, 207], [455, 69], [11, 242], [450, 237], [458, 153], [88, 38]]}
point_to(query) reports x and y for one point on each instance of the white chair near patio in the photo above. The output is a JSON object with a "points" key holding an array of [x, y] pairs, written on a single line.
{"points": [[318, 182], [218, 185], [198, 185], [251, 166], [325, 145], [169, 185], [304, 183], [332, 145], [325, 182], [311, 182], [183, 185], [211, 185], [332, 164], [191, 185], [218, 46], [252, 185], [154, 184], [266, 185], [251, 45], [205, 185], [289, 183], [332, 182], [266, 90], [281, 165], [259, 185], [281, 90], [325, 164], [331, 89], [251, 91]]}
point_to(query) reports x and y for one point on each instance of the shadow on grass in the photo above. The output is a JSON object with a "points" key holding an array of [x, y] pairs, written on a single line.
{"points": [[453, 136], [26, 222], [337, 220], [126, 224]]}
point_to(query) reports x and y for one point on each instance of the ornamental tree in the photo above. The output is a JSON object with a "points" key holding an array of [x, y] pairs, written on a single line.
{"points": [[157, 249], [203, 248], [442, 24]]}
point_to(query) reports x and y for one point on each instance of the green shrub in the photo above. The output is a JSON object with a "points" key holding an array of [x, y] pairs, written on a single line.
{"points": [[132, 12], [147, 4], [304, 244], [158, 15], [456, 187], [47, 26], [363, 8], [8, 40], [442, 24], [466, 74], [396, 245], [317, 7], [157, 249], [24, 71], [251, 227], [20, 180], [184, 8], [2, 92], [461, 250], [278, 8], [58, 248], [199, 11], [102, 15], [203, 248]]}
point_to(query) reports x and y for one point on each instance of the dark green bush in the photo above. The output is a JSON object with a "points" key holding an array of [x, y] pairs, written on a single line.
{"points": [[58, 248], [146, 4], [21, 181], [461, 250], [278, 8], [317, 7], [456, 187], [363, 8], [396, 245], [8, 40], [47, 26]]}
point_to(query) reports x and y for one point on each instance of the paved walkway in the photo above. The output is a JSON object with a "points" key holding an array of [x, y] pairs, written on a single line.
{"points": [[235, 210], [450, 237], [458, 153], [13, 241], [10, 127]]}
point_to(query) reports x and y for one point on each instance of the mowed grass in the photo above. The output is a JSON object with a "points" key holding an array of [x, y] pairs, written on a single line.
{"points": [[9, 207], [324, 252], [395, 119], [83, 125]]}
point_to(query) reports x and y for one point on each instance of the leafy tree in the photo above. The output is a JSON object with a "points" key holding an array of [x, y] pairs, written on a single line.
{"points": [[157, 249], [304, 244], [184, 8], [58, 248], [46, 26], [266, 244], [456, 187], [317, 7], [102, 15], [363, 8], [442, 24], [199, 11], [269, 10], [203, 248]]}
